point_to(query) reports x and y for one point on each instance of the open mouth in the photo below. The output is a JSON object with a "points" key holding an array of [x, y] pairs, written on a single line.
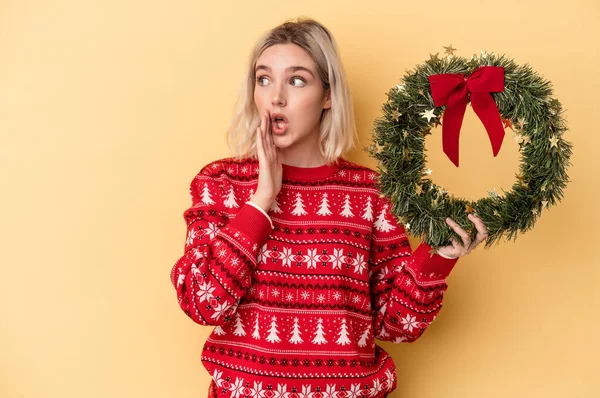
{"points": [[279, 124]]}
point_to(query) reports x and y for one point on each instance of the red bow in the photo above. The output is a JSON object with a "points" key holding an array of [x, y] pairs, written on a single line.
{"points": [[453, 89]]}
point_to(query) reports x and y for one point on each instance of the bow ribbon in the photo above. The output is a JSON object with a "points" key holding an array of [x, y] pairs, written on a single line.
{"points": [[453, 89]]}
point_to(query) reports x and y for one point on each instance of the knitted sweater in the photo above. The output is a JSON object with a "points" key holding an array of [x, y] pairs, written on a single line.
{"points": [[298, 295]]}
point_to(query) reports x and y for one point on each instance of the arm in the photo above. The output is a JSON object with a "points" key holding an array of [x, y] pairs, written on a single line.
{"points": [[406, 287], [220, 251]]}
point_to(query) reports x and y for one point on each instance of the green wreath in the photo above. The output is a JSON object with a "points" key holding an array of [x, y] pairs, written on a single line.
{"points": [[525, 105]]}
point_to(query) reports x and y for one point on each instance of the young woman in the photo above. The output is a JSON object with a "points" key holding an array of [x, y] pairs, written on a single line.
{"points": [[291, 250]]}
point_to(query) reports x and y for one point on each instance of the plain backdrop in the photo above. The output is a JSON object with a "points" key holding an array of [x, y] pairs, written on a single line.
{"points": [[109, 108]]}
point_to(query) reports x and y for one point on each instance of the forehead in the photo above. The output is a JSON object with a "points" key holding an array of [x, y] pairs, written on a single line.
{"points": [[282, 56]]}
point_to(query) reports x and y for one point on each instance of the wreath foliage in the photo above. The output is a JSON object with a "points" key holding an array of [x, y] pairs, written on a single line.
{"points": [[525, 105]]}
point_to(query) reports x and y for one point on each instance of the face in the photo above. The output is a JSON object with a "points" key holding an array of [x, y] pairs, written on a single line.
{"points": [[288, 86]]}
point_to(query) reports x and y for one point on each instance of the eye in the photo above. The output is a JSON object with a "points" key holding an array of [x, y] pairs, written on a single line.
{"points": [[300, 79], [259, 79]]}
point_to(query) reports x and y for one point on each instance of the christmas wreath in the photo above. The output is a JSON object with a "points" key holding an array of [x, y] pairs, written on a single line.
{"points": [[503, 95]]}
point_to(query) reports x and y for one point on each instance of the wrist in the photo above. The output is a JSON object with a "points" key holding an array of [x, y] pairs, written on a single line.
{"points": [[446, 256], [262, 202]]}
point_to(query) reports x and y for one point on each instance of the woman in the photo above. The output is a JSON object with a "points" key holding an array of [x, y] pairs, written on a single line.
{"points": [[291, 250]]}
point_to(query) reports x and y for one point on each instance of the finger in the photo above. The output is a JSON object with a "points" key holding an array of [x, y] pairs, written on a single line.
{"points": [[260, 150], [263, 121], [478, 239], [269, 132], [464, 235], [479, 225]]}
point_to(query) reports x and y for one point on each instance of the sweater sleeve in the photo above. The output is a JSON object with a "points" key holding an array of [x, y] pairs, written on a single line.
{"points": [[407, 287], [220, 250]]}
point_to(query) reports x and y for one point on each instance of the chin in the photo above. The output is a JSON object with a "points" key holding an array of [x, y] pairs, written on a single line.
{"points": [[281, 142]]}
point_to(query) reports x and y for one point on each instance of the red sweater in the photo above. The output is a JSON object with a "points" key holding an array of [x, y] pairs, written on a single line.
{"points": [[299, 296]]}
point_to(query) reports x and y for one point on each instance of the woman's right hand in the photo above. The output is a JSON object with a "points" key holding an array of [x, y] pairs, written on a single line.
{"points": [[270, 169]]}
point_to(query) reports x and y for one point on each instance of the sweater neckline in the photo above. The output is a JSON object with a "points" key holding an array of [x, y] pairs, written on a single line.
{"points": [[310, 173]]}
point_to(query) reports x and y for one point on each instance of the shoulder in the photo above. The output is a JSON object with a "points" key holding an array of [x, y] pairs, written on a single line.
{"points": [[229, 168], [224, 171], [358, 174]]}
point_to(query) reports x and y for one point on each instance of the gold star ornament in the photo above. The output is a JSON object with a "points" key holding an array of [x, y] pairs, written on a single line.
{"points": [[430, 114], [553, 142], [449, 50]]}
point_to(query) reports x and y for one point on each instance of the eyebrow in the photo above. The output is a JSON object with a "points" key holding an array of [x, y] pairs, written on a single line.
{"points": [[291, 69]]}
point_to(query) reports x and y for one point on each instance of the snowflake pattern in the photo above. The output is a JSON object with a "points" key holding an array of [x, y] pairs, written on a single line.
{"points": [[409, 323], [191, 236], [312, 258], [240, 388], [205, 291], [220, 309]]}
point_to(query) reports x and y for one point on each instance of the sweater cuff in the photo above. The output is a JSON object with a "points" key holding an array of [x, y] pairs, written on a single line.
{"points": [[429, 267], [257, 207], [252, 223]]}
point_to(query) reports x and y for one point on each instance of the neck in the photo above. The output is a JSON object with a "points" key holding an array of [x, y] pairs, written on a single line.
{"points": [[305, 156], [304, 160]]}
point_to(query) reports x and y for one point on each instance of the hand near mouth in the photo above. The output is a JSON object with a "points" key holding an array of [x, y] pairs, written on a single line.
{"points": [[270, 170]]}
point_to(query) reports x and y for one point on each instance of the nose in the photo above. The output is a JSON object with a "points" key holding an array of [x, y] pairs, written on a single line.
{"points": [[278, 97]]}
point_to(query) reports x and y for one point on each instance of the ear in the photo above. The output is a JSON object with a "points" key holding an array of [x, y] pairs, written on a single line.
{"points": [[327, 103]]}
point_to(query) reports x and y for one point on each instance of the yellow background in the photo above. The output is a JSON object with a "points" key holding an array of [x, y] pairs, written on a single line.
{"points": [[109, 108]]}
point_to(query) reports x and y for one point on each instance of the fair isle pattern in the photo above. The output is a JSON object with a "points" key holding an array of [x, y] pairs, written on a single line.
{"points": [[297, 306], [240, 388]]}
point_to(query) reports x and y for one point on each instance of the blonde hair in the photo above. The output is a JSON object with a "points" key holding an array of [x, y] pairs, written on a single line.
{"points": [[337, 126]]}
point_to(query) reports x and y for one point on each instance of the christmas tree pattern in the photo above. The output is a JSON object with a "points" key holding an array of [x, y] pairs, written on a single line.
{"points": [[368, 210], [239, 327], [230, 201], [256, 332], [299, 206], [362, 342], [347, 209], [383, 333], [324, 208], [295, 338], [250, 193], [382, 224], [273, 332], [319, 333], [206, 198], [275, 207], [219, 331], [343, 335]]}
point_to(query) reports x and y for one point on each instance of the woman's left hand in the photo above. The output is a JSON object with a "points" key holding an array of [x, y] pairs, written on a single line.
{"points": [[457, 250]]}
